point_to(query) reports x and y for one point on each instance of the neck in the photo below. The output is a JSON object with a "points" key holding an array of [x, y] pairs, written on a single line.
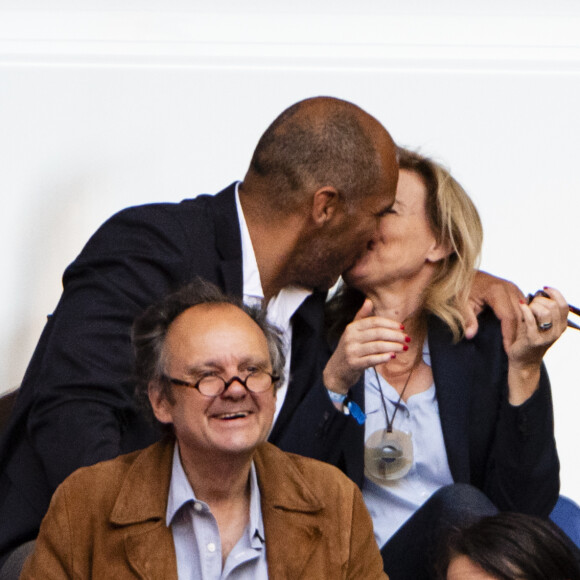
{"points": [[403, 299], [402, 307], [217, 480], [224, 484], [274, 238]]}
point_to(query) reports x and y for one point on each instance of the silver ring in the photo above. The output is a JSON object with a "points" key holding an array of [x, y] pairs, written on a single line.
{"points": [[545, 326]]}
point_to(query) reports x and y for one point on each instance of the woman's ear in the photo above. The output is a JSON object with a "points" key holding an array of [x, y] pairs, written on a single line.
{"points": [[162, 408], [439, 252]]}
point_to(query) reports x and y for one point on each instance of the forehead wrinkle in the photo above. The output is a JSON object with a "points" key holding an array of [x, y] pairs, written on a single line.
{"points": [[221, 364]]}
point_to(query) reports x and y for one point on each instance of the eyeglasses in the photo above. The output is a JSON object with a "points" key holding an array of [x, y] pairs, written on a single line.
{"points": [[214, 385], [572, 309], [575, 311]]}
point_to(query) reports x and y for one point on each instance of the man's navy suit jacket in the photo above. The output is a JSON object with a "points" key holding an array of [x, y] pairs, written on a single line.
{"points": [[76, 404]]}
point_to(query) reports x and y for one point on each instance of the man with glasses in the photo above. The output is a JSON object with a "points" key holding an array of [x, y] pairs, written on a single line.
{"points": [[212, 499]]}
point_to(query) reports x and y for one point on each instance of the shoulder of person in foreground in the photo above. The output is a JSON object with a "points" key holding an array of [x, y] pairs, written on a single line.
{"points": [[96, 514], [299, 494]]}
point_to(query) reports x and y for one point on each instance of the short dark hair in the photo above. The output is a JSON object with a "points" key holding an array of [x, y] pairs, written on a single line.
{"points": [[151, 327], [315, 142], [513, 545]]}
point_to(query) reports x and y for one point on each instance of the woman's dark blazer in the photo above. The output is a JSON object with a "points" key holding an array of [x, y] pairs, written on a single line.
{"points": [[507, 452]]}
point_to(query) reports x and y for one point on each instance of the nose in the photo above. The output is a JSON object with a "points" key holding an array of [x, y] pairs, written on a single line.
{"points": [[235, 388]]}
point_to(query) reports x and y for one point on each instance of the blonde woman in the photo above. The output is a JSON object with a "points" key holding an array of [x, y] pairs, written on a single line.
{"points": [[454, 428]]}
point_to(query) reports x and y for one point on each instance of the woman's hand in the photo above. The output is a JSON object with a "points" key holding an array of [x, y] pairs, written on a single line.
{"points": [[525, 354], [367, 341]]}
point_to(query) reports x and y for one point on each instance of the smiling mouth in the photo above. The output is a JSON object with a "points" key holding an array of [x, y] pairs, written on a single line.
{"points": [[231, 416]]}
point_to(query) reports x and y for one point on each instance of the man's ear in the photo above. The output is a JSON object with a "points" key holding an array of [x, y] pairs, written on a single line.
{"points": [[325, 204], [159, 403]]}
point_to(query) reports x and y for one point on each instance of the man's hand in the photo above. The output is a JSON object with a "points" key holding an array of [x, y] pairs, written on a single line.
{"points": [[503, 297]]}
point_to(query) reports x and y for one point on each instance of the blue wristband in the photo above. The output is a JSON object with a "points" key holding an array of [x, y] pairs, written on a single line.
{"points": [[336, 397]]}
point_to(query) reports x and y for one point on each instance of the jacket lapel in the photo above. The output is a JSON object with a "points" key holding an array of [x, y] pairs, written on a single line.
{"points": [[148, 542], [288, 509], [150, 552], [305, 364], [453, 379]]}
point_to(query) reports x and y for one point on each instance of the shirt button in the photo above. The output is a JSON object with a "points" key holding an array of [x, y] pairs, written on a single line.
{"points": [[197, 506], [211, 547]]}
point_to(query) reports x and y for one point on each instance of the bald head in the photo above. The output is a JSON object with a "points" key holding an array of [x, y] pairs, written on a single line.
{"points": [[317, 142]]}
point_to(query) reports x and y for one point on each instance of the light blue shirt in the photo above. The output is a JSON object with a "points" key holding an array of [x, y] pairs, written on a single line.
{"points": [[393, 502], [196, 535]]}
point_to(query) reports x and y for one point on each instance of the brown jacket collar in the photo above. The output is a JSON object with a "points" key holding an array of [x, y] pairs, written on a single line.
{"points": [[285, 497]]}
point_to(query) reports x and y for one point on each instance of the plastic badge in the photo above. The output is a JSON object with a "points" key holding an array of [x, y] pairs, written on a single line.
{"points": [[356, 412]]}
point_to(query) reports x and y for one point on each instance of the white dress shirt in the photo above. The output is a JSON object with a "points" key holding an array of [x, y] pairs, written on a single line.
{"points": [[280, 308]]}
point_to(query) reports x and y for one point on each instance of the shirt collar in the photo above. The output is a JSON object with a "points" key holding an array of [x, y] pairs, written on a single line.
{"points": [[282, 306], [253, 291], [181, 493]]}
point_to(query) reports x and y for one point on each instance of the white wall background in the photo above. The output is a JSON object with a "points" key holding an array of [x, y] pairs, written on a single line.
{"points": [[110, 104]]}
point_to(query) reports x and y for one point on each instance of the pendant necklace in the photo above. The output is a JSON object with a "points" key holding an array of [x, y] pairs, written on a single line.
{"points": [[389, 452]]}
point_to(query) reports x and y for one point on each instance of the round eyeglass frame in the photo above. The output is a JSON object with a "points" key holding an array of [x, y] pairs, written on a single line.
{"points": [[226, 384]]}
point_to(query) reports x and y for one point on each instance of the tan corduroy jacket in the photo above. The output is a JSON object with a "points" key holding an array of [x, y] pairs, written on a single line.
{"points": [[108, 521]]}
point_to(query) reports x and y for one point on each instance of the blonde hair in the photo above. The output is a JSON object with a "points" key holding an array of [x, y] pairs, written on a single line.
{"points": [[456, 225]]}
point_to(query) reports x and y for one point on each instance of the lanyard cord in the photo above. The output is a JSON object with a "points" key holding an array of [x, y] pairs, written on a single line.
{"points": [[390, 423]]}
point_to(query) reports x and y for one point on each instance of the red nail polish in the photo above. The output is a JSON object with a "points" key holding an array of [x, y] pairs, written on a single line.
{"points": [[402, 327], [407, 339], [393, 355], [405, 347], [522, 301]]}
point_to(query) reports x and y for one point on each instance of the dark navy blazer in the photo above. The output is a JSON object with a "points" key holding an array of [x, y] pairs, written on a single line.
{"points": [[76, 404], [507, 452]]}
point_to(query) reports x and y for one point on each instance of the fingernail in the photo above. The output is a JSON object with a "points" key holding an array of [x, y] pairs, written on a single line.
{"points": [[407, 339], [522, 301], [393, 355], [402, 327], [405, 347]]}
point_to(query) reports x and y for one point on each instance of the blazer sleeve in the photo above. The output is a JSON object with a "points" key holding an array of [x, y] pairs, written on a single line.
{"points": [[508, 452], [317, 429], [523, 467], [79, 379]]}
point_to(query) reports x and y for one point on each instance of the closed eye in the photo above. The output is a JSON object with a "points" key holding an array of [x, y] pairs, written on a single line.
{"points": [[252, 369], [385, 211], [194, 377]]}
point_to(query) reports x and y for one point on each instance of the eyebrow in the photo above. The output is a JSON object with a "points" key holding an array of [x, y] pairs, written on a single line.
{"points": [[199, 368]]}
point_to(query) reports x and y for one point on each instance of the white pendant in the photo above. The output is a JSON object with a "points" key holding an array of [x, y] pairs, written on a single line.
{"points": [[388, 456]]}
